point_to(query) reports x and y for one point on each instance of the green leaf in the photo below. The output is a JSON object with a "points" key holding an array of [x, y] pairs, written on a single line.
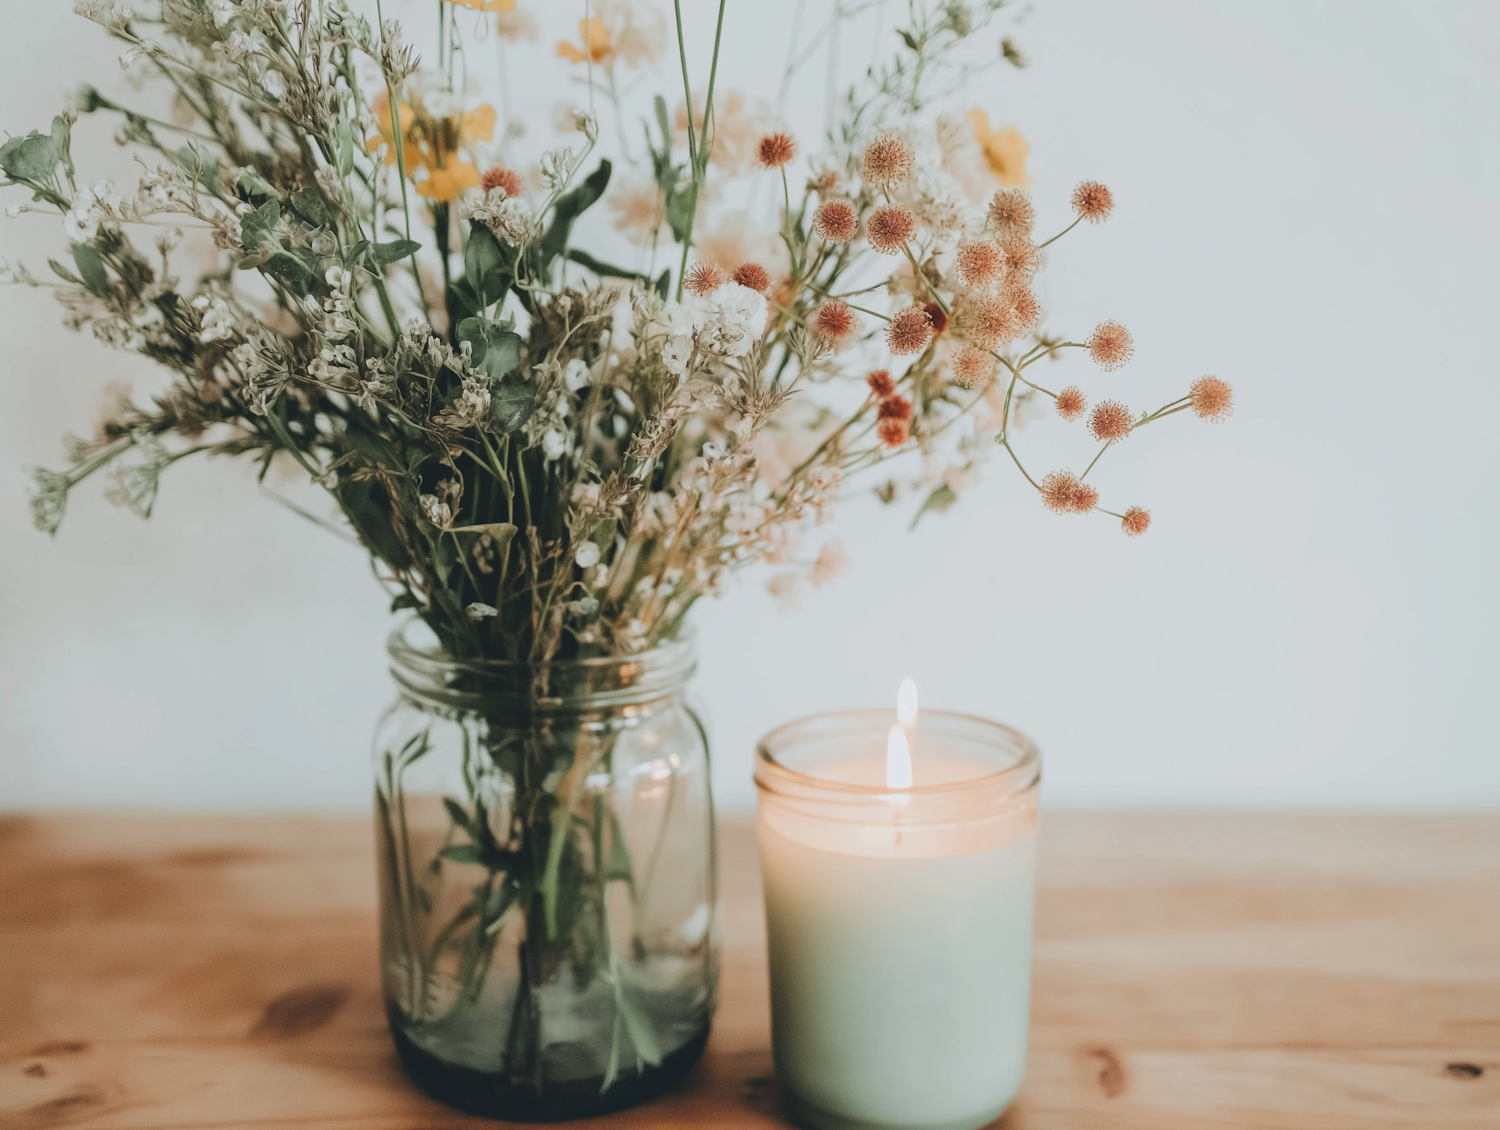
{"points": [[493, 350], [63, 273], [386, 253], [462, 853], [404, 600], [638, 1025], [195, 164], [310, 205], [254, 184], [679, 213], [456, 813], [663, 123], [294, 273], [343, 148], [32, 158], [602, 269], [258, 228], [567, 210], [62, 137], [939, 500], [486, 265], [91, 267], [906, 38], [663, 281], [512, 402]]}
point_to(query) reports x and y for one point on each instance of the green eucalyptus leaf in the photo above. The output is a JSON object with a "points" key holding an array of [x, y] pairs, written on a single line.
{"points": [[258, 228], [63, 273], [291, 272], [253, 183], [512, 402], [91, 267], [310, 205], [31, 158]]}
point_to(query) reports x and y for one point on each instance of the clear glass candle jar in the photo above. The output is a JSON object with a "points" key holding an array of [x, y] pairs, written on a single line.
{"points": [[549, 936], [899, 919]]}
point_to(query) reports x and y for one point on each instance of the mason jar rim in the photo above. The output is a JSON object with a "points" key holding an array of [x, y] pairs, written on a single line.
{"points": [[775, 776], [429, 673]]}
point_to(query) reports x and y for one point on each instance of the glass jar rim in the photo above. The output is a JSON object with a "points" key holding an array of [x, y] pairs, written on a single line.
{"points": [[427, 672], [775, 776]]}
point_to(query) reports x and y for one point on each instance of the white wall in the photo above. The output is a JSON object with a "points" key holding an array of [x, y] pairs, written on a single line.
{"points": [[1306, 208]]}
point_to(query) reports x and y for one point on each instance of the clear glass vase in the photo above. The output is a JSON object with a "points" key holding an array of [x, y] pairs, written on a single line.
{"points": [[548, 881]]}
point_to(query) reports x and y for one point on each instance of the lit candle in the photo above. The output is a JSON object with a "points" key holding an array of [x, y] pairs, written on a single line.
{"points": [[898, 866]]}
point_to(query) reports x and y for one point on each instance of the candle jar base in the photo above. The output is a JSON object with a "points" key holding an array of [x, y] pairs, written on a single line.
{"points": [[815, 1118]]}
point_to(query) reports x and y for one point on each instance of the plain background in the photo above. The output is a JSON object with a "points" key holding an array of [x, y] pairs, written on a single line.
{"points": [[1306, 207]]}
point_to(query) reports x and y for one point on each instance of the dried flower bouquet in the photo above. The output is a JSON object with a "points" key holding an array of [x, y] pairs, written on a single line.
{"points": [[550, 457]]}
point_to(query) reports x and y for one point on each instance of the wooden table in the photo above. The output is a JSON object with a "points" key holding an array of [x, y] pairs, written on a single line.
{"points": [[1192, 971]]}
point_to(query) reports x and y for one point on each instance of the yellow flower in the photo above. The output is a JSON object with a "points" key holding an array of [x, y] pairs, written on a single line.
{"points": [[431, 145], [1005, 150], [598, 43], [486, 5]]}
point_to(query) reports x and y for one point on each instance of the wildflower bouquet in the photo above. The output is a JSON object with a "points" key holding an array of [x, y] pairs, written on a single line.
{"points": [[548, 454]]}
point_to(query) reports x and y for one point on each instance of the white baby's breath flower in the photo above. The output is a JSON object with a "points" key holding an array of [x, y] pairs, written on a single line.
{"points": [[586, 124], [111, 15], [587, 555], [478, 611], [222, 11], [338, 278], [554, 444]]}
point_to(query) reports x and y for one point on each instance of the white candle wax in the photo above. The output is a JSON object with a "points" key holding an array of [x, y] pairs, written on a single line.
{"points": [[899, 925]]}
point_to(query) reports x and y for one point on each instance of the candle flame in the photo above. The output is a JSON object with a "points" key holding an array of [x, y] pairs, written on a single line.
{"points": [[897, 760], [906, 704]]}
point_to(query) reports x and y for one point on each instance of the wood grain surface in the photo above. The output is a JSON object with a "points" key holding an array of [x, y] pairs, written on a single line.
{"points": [[1193, 972]]}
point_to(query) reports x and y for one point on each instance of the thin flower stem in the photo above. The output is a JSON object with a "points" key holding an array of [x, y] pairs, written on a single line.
{"points": [[1062, 233], [1031, 356], [699, 156], [1016, 372], [1094, 460], [1005, 443]]}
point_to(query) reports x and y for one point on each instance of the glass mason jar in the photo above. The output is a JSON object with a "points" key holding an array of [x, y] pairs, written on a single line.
{"points": [[548, 882]]}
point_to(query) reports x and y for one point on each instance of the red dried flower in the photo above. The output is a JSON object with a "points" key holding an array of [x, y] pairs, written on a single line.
{"points": [[753, 276], [894, 408], [501, 177], [1110, 345], [1093, 202], [980, 262], [1071, 403], [972, 367], [836, 221], [937, 316], [909, 331], [1062, 493], [1135, 522], [704, 278], [881, 385], [889, 227], [775, 150], [893, 432], [1011, 212], [888, 161], [989, 321], [1110, 422], [1211, 398], [834, 320]]}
